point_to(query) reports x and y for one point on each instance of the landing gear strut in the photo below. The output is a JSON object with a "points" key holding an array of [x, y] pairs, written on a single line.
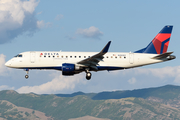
{"points": [[27, 72], [88, 74]]}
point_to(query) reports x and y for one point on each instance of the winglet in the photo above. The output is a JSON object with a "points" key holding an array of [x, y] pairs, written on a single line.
{"points": [[105, 49]]}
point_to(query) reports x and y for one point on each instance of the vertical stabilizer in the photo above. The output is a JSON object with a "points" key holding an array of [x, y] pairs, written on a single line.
{"points": [[160, 43]]}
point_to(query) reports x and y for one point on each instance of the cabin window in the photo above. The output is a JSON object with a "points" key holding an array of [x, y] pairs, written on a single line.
{"points": [[57, 56], [53, 56], [49, 56], [120, 57], [89, 56], [61, 56], [79, 56], [66, 56], [106, 56], [44, 56], [115, 57], [111, 56], [124, 57], [70, 56], [74, 56], [84, 56]]}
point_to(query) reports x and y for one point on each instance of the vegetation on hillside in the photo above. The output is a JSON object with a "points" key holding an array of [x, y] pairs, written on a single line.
{"points": [[154, 103]]}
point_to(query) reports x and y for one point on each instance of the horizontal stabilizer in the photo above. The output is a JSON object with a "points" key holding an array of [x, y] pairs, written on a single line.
{"points": [[161, 56]]}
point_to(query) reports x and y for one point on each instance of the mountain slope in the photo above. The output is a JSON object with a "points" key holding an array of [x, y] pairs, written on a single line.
{"points": [[10, 111], [64, 108]]}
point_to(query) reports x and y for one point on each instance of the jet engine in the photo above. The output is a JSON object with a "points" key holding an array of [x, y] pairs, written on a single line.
{"points": [[69, 69]]}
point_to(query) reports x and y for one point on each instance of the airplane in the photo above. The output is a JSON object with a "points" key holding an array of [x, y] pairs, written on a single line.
{"points": [[71, 63]]}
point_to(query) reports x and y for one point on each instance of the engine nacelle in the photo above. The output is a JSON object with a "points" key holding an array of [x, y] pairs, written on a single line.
{"points": [[69, 69]]}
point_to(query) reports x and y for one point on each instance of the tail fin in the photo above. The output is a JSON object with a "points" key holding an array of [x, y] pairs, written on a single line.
{"points": [[160, 43]]}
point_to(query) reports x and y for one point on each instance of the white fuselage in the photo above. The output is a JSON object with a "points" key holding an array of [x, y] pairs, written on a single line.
{"points": [[71, 63], [54, 60]]}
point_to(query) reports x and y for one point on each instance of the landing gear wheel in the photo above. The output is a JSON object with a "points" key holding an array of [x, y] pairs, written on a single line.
{"points": [[27, 72], [26, 76], [88, 75]]}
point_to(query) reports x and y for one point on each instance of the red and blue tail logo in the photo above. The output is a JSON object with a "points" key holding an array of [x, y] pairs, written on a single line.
{"points": [[160, 43]]}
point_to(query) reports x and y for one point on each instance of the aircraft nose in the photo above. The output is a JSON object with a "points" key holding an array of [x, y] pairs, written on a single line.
{"points": [[8, 64]]}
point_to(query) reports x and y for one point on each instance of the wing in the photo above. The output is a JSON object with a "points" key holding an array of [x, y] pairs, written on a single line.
{"points": [[93, 61]]}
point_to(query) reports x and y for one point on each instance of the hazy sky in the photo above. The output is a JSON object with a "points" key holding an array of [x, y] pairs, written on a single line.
{"points": [[86, 25]]}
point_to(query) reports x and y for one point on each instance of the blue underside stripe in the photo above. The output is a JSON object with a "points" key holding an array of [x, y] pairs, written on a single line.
{"points": [[109, 68], [60, 68]]}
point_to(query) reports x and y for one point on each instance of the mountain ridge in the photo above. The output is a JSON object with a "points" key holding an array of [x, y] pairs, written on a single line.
{"points": [[142, 93], [154, 103]]}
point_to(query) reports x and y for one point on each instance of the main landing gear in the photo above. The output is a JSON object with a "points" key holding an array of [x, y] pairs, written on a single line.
{"points": [[27, 72], [88, 74]]}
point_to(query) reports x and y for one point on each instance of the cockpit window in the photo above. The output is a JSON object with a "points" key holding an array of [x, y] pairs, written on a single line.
{"points": [[19, 55]]}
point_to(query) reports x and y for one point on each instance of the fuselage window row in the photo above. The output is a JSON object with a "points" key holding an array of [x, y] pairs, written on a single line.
{"points": [[80, 57]]}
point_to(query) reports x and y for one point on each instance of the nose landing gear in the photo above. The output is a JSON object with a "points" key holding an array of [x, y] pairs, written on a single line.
{"points": [[27, 72], [26, 76]]}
